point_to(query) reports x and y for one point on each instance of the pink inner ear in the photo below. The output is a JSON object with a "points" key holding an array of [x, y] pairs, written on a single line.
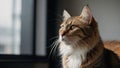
{"points": [[86, 14]]}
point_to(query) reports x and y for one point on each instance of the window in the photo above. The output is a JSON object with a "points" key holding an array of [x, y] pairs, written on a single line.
{"points": [[10, 25], [23, 34], [23, 27]]}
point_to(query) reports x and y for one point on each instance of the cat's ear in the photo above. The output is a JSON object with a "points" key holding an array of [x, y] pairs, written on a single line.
{"points": [[66, 15], [86, 14]]}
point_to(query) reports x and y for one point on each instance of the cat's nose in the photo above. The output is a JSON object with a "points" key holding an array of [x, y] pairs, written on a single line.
{"points": [[63, 33]]}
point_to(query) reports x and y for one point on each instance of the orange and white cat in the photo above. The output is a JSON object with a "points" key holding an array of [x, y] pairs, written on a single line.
{"points": [[81, 45]]}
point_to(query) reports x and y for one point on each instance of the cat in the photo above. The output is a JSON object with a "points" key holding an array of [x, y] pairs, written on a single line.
{"points": [[81, 45]]}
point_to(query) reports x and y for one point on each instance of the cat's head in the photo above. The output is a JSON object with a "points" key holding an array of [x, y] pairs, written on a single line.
{"points": [[79, 28]]}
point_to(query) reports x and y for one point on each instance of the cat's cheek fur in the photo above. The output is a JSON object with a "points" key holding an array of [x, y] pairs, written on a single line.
{"points": [[75, 55], [65, 49]]}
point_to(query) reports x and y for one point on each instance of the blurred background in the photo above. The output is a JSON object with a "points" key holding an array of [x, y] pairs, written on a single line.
{"points": [[29, 27]]}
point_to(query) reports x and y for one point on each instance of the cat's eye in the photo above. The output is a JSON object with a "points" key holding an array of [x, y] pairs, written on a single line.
{"points": [[73, 27]]}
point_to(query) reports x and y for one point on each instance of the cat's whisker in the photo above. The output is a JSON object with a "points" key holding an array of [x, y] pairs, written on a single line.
{"points": [[55, 37], [54, 47]]}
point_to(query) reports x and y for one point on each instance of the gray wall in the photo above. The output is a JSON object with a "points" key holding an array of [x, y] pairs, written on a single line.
{"points": [[106, 13]]}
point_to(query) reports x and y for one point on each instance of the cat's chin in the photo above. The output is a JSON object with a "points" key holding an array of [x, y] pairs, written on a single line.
{"points": [[69, 43]]}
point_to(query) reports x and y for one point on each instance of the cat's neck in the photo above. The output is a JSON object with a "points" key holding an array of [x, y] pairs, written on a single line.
{"points": [[86, 56], [94, 56]]}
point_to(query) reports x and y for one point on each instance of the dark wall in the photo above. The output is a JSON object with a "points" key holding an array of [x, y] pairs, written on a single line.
{"points": [[53, 21]]}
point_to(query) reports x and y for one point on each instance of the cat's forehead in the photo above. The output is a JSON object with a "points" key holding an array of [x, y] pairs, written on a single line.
{"points": [[74, 20]]}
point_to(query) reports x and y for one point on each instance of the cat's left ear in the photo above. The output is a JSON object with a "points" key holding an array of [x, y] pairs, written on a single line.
{"points": [[66, 15], [86, 14]]}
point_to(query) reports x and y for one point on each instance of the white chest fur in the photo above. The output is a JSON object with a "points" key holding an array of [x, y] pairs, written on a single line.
{"points": [[76, 55]]}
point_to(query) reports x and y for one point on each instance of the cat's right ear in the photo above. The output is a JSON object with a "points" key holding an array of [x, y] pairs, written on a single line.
{"points": [[86, 14], [66, 15]]}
